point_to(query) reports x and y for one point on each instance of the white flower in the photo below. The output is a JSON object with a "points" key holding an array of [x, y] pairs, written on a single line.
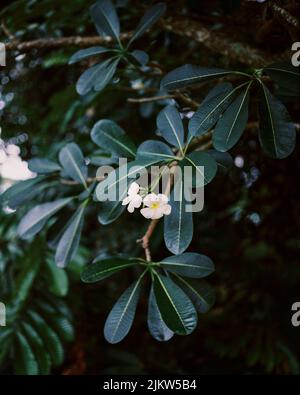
{"points": [[13, 150], [134, 200], [156, 206], [15, 169]]}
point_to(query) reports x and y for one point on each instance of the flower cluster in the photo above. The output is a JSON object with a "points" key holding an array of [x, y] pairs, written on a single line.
{"points": [[155, 205]]}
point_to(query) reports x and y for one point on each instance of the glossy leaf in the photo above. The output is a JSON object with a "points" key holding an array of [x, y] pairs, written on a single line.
{"points": [[36, 218], [57, 279], [87, 52], [107, 134], [43, 166], [277, 132], [154, 149], [170, 125], [24, 362], [73, 162], [69, 241], [96, 77], [286, 76], [175, 307], [223, 159], [178, 226], [189, 264], [156, 325], [120, 319], [211, 109], [204, 167], [200, 292], [141, 57], [103, 268], [105, 18], [190, 74], [232, 123], [148, 20]]}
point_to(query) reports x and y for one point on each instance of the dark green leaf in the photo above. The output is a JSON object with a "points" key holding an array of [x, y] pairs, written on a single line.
{"points": [[176, 309], [43, 166], [156, 325], [197, 160], [105, 18], [153, 149], [189, 264], [140, 56], [148, 20], [190, 74], [107, 134], [210, 109], [96, 77], [57, 279], [200, 292], [73, 162], [286, 76], [120, 319], [36, 218], [69, 241], [178, 226], [170, 125], [87, 52], [277, 132], [42, 357], [24, 359], [232, 123], [103, 268], [224, 159]]}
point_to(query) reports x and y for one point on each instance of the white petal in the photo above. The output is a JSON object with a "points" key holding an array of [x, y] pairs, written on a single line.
{"points": [[166, 209], [126, 201], [149, 199], [13, 150], [134, 189], [130, 207], [137, 201], [147, 212], [162, 198], [157, 213]]}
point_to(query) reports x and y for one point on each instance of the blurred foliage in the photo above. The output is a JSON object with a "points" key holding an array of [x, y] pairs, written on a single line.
{"points": [[250, 225]]}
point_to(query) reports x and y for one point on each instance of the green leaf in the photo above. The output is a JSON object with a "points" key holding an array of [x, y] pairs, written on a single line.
{"points": [[141, 57], [57, 279], [103, 268], [210, 109], [109, 211], [73, 162], [178, 226], [24, 359], [37, 217], [120, 319], [156, 325], [43, 166], [42, 357], [153, 149], [50, 339], [107, 134], [190, 74], [286, 76], [148, 20], [277, 133], [170, 125], [197, 160], [87, 52], [224, 159], [200, 292], [69, 241], [97, 77], [105, 18], [21, 192], [176, 309], [232, 123], [189, 264]]}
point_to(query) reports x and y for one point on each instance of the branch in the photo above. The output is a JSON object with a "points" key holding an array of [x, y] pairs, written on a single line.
{"points": [[183, 26]]}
